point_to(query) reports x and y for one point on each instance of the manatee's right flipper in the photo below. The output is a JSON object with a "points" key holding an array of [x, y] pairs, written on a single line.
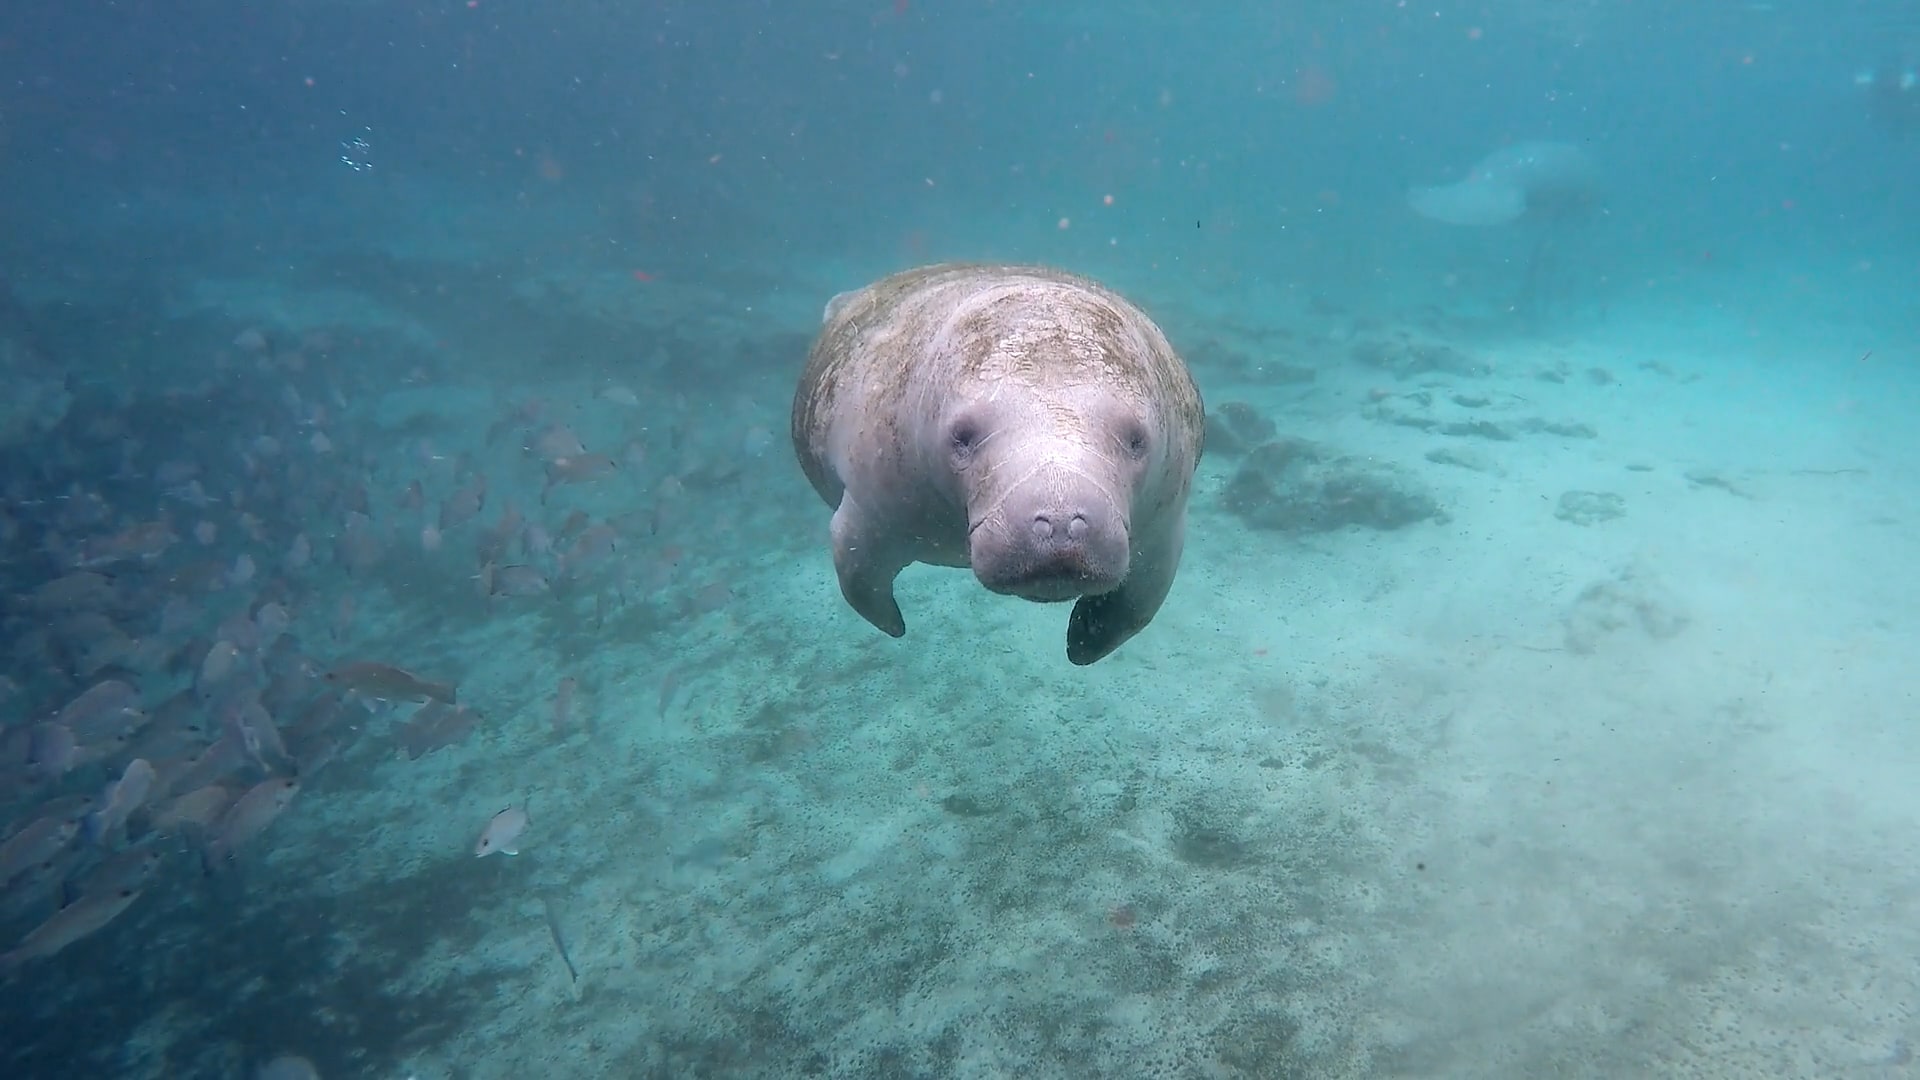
{"points": [[867, 565]]}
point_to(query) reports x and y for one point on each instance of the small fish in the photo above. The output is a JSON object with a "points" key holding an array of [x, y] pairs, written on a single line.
{"points": [[576, 469], [77, 920], [198, 808], [250, 816], [121, 798], [388, 682], [143, 543], [618, 395], [222, 659], [517, 580], [494, 542], [271, 621], [322, 713], [78, 591], [99, 706], [571, 527], [128, 870], [463, 505], [435, 726], [502, 833], [238, 628], [595, 546], [251, 721], [39, 841], [225, 755], [316, 754], [555, 442], [51, 749]]}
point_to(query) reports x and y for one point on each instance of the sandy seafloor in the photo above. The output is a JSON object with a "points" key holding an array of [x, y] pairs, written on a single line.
{"points": [[1496, 795]]}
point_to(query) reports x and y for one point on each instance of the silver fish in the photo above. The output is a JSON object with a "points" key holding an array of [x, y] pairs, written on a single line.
{"points": [[39, 841], [128, 870], [502, 833], [388, 682], [105, 709], [250, 816], [79, 919], [121, 798], [198, 808], [517, 580]]}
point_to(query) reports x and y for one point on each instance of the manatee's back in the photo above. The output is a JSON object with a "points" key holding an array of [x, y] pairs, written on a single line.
{"points": [[989, 323], [862, 358]]}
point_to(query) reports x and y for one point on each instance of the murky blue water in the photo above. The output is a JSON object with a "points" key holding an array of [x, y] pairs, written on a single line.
{"points": [[397, 466]]}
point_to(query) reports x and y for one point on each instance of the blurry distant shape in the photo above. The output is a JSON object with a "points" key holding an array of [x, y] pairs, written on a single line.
{"points": [[288, 1067], [36, 396], [1548, 186], [1893, 97], [1313, 85], [1543, 180]]}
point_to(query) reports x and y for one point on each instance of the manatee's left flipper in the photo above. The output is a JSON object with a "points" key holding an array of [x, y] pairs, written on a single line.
{"points": [[1101, 624]]}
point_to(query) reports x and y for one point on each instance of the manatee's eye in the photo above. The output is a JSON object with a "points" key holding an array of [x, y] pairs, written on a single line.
{"points": [[963, 438], [1136, 440]]}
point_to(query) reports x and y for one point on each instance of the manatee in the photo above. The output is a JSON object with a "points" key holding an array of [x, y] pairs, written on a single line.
{"points": [[1021, 421]]}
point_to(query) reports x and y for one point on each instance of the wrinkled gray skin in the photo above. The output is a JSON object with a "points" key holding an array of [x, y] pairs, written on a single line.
{"points": [[1021, 421]]}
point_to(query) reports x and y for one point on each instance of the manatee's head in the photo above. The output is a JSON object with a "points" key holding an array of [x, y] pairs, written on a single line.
{"points": [[1049, 476]]}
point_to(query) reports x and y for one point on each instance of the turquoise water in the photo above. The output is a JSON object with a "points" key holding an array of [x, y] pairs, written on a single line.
{"points": [[1534, 697]]}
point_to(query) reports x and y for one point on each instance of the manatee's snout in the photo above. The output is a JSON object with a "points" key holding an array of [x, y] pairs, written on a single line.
{"points": [[1056, 536]]}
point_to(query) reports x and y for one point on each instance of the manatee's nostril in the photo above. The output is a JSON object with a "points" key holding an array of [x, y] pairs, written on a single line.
{"points": [[1047, 527]]}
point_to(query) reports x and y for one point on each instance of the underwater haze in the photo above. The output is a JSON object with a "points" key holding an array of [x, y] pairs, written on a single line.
{"points": [[424, 655]]}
